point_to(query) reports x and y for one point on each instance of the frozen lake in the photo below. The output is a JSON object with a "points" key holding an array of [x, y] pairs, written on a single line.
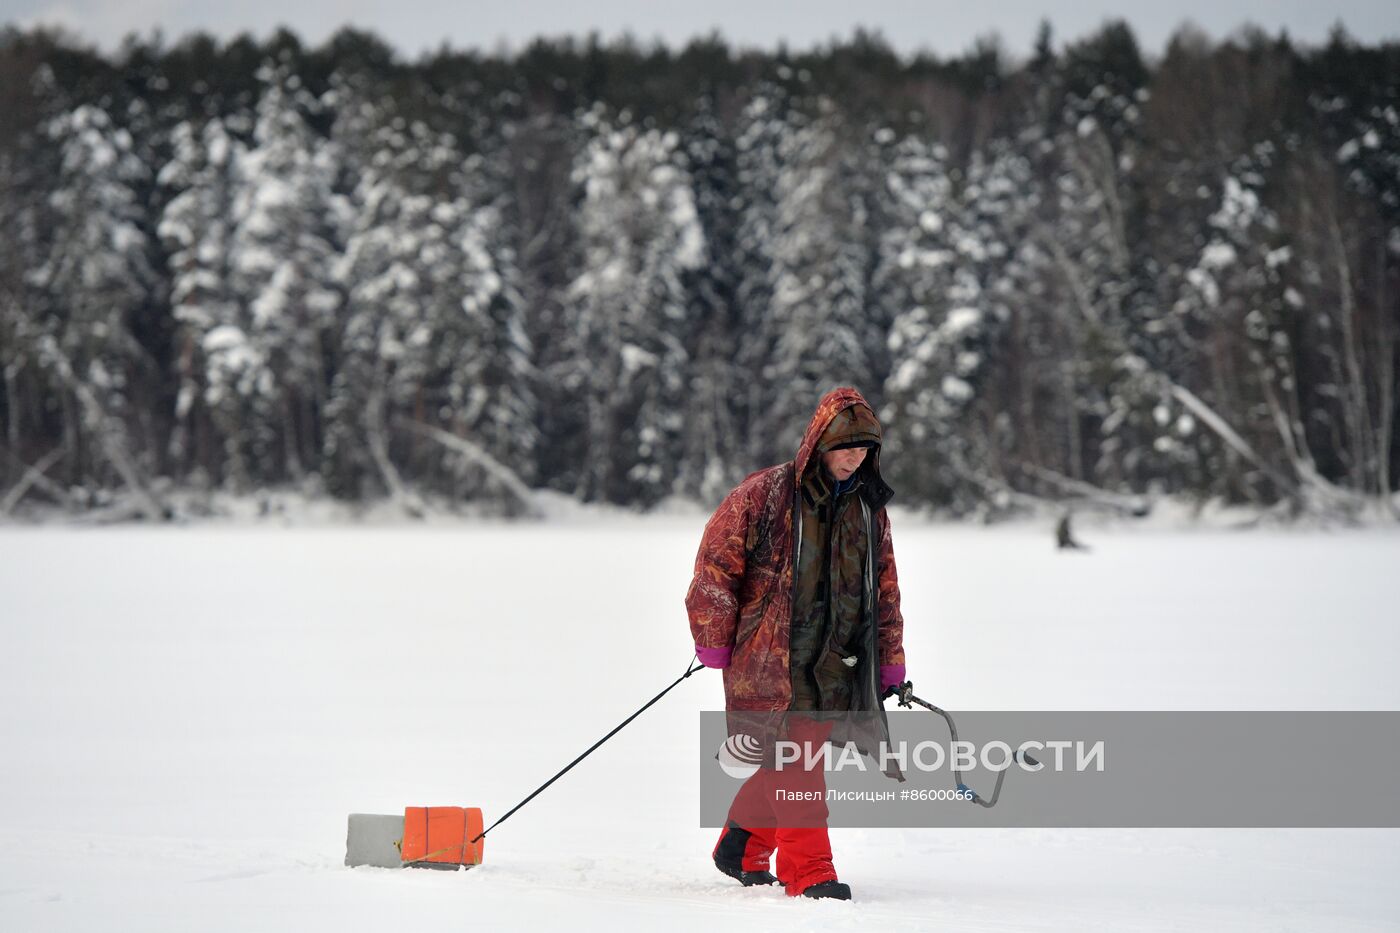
{"points": [[188, 714]]}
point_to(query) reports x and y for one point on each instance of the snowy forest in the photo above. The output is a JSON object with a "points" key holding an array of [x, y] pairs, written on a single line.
{"points": [[626, 273]]}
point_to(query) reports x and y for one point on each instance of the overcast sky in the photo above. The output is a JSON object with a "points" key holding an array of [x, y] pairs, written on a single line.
{"points": [[947, 28]]}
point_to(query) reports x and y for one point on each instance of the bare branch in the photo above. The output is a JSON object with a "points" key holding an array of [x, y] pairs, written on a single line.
{"points": [[34, 476], [475, 453]]}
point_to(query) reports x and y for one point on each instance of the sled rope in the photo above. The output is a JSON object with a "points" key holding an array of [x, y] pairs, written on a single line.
{"points": [[688, 671]]}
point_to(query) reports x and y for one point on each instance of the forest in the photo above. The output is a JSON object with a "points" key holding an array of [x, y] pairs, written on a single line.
{"points": [[626, 273]]}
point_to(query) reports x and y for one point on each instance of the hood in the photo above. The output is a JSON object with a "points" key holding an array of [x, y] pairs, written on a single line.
{"points": [[860, 425]]}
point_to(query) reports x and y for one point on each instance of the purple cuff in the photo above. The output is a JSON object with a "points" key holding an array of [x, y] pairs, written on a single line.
{"points": [[713, 657], [891, 675]]}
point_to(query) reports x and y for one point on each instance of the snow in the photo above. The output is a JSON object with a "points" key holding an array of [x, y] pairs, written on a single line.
{"points": [[956, 389], [905, 376], [971, 247], [960, 321], [635, 359], [232, 356], [1218, 255], [1204, 283], [1239, 206], [189, 714]]}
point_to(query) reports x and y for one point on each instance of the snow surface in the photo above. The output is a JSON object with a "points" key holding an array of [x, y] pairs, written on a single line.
{"points": [[189, 714]]}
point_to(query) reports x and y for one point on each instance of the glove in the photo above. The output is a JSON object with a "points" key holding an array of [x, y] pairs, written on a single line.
{"points": [[713, 657], [903, 691], [891, 675]]}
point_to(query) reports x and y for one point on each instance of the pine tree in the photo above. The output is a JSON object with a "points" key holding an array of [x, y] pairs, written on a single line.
{"points": [[714, 455], [761, 140], [640, 235], [815, 331], [29, 408], [927, 387], [991, 328], [433, 338], [286, 224], [95, 277], [224, 383]]}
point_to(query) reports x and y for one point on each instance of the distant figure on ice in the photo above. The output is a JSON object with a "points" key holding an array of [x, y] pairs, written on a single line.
{"points": [[781, 600], [1065, 538]]}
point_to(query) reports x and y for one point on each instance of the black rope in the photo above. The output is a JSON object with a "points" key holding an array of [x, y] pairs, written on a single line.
{"points": [[689, 670]]}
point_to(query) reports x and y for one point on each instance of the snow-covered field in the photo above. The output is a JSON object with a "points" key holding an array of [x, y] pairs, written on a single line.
{"points": [[187, 716]]}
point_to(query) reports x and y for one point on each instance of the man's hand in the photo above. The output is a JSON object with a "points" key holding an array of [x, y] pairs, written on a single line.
{"points": [[903, 691]]}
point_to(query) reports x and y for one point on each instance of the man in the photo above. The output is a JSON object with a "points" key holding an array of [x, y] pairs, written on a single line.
{"points": [[795, 597]]}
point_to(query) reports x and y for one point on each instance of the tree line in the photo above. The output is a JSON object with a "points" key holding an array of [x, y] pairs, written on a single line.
{"points": [[626, 273]]}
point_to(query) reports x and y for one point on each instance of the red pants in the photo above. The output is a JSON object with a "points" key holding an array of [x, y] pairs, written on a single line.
{"points": [[783, 810]]}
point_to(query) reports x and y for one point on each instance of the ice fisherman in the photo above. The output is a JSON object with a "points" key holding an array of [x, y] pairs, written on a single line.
{"points": [[786, 602]]}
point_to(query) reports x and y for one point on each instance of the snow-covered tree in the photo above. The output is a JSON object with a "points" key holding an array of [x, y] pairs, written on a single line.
{"points": [[960, 354], [286, 221], [915, 278], [94, 279], [433, 337], [761, 141], [438, 278], [640, 236], [814, 333], [1339, 332], [26, 165], [715, 452], [221, 374]]}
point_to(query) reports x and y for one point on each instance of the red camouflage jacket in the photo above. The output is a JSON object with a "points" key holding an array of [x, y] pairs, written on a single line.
{"points": [[741, 594]]}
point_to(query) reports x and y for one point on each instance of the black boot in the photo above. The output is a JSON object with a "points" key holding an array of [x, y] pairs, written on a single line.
{"points": [[833, 889], [729, 857], [747, 878]]}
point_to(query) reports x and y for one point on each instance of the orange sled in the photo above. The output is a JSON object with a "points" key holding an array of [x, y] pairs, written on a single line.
{"points": [[424, 837]]}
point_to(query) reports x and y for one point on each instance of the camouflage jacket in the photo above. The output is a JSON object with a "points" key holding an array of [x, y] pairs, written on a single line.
{"points": [[742, 594]]}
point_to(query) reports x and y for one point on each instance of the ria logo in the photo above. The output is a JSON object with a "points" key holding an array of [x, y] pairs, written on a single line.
{"points": [[740, 756]]}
